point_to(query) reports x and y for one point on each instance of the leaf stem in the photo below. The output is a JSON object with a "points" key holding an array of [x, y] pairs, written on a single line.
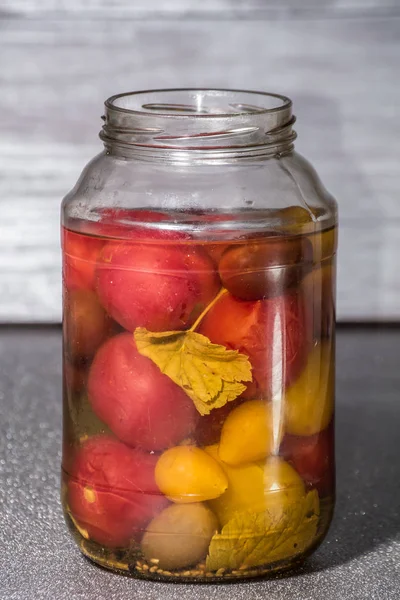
{"points": [[209, 307]]}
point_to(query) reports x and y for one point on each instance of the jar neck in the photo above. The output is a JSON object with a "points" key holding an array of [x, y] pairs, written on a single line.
{"points": [[198, 125]]}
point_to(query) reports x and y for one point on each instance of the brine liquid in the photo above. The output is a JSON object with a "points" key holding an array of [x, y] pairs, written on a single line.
{"points": [[205, 453]]}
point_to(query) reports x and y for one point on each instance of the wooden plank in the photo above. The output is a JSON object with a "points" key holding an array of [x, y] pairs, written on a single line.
{"points": [[345, 96], [368, 275], [55, 75], [187, 8]]}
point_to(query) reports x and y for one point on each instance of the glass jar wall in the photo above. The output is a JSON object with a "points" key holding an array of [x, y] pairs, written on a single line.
{"points": [[199, 310]]}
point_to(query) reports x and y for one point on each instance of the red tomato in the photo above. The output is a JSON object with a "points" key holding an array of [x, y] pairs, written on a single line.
{"points": [[80, 257], [141, 405], [112, 493], [82, 248], [313, 458], [123, 223], [113, 215], [216, 250], [86, 324], [226, 233], [265, 268], [272, 333], [160, 287]]}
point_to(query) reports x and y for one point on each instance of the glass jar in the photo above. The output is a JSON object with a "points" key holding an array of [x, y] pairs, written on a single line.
{"points": [[199, 311]]}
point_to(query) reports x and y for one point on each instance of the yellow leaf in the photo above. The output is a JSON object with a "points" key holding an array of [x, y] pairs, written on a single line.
{"points": [[210, 374], [254, 539]]}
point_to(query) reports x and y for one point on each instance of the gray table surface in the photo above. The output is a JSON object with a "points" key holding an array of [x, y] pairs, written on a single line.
{"points": [[360, 558]]}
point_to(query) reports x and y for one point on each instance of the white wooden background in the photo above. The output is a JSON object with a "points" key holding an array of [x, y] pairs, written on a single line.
{"points": [[338, 60]]}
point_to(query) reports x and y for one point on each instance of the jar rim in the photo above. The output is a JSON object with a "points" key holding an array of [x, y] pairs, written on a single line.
{"points": [[191, 112], [183, 120]]}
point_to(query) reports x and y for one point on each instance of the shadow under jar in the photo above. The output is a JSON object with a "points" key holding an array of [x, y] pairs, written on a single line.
{"points": [[199, 311]]}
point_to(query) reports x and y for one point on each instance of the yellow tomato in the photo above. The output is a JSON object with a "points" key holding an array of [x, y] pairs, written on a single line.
{"points": [[295, 219], [251, 432], [245, 488], [188, 474], [309, 401], [256, 487], [282, 484]]}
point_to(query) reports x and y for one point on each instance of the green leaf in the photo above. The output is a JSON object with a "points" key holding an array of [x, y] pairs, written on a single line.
{"points": [[210, 374], [254, 539]]}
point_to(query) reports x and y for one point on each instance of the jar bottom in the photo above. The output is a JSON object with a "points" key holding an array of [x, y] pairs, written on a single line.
{"points": [[131, 564]]}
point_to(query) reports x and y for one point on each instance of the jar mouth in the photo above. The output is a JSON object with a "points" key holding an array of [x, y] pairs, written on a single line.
{"points": [[199, 119], [198, 103]]}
